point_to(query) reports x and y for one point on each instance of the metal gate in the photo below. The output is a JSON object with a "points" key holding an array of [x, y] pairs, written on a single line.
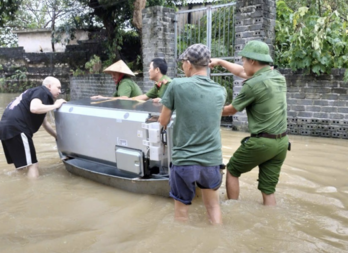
{"points": [[212, 26]]}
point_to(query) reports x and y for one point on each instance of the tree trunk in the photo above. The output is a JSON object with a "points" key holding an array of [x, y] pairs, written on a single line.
{"points": [[139, 5], [53, 26]]}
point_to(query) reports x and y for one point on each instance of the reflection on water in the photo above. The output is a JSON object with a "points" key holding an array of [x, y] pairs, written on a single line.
{"points": [[61, 212]]}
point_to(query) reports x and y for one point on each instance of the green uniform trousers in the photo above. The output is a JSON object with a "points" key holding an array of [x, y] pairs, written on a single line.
{"points": [[268, 154]]}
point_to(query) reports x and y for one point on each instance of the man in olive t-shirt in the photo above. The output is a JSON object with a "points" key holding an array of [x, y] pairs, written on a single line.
{"points": [[263, 95], [157, 72]]}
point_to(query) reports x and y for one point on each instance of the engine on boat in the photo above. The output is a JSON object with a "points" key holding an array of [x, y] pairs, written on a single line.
{"points": [[120, 133]]}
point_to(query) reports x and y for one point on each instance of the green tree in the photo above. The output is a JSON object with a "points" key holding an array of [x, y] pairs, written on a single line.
{"points": [[7, 10], [306, 40], [114, 16], [117, 17], [38, 14], [7, 38], [320, 6]]}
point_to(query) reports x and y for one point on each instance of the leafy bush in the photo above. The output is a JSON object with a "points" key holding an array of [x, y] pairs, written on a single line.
{"points": [[17, 82], [94, 65], [305, 40], [7, 38], [77, 72]]}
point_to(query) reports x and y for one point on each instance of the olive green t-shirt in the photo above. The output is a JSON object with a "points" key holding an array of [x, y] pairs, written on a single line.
{"points": [[198, 102], [157, 92], [264, 98], [127, 87]]}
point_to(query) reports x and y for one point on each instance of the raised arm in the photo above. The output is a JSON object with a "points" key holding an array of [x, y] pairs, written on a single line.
{"points": [[234, 68], [229, 110]]}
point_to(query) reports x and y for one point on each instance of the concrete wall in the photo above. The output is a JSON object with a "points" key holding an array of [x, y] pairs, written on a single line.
{"points": [[39, 40], [36, 66]]}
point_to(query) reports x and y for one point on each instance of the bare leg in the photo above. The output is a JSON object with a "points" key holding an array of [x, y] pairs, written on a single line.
{"points": [[269, 200], [33, 171], [211, 201], [181, 211], [22, 171], [232, 186]]}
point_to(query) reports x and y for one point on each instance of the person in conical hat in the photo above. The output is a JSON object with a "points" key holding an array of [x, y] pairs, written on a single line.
{"points": [[125, 86], [263, 95]]}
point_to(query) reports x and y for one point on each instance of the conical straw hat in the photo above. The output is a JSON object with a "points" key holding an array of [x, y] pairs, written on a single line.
{"points": [[119, 67]]}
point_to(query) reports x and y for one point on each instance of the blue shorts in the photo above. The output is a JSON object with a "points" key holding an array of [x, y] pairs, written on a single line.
{"points": [[183, 180]]}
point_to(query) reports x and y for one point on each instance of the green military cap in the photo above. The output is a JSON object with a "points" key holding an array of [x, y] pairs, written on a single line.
{"points": [[256, 50]]}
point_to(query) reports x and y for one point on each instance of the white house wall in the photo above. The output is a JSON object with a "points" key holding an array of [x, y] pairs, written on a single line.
{"points": [[34, 41]]}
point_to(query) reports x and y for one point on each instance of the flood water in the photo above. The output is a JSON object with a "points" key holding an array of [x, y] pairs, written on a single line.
{"points": [[60, 212]]}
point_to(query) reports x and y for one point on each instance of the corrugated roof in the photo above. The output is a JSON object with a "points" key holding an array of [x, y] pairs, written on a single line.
{"points": [[196, 2]]}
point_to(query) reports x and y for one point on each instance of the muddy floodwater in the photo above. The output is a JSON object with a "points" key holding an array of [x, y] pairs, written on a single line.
{"points": [[63, 213]]}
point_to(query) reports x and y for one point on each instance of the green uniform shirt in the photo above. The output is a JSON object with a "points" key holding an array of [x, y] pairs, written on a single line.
{"points": [[198, 102], [127, 87], [156, 91], [264, 97]]}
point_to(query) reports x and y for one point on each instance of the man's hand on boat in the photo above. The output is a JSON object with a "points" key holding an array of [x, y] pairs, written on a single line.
{"points": [[99, 97], [113, 98], [58, 103], [156, 100]]}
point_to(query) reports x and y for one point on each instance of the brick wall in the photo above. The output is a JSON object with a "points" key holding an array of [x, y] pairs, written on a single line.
{"points": [[317, 105], [158, 40], [254, 20]]}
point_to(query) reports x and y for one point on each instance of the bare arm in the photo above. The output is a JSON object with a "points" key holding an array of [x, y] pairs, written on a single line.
{"points": [[48, 127], [100, 97], [229, 110], [37, 107], [141, 97], [165, 116], [235, 69]]}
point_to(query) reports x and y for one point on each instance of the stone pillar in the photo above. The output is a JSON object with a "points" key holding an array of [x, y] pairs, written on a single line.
{"points": [[158, 40], [254, 20]]}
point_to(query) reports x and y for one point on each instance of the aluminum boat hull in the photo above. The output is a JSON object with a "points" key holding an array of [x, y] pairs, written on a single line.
{"points": [[109, 175]]}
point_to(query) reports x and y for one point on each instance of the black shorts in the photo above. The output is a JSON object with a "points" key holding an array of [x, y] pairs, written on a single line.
{"points": [[20, 150]]}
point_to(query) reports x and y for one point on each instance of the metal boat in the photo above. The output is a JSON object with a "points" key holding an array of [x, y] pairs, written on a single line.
{"points": [[117, 143]]}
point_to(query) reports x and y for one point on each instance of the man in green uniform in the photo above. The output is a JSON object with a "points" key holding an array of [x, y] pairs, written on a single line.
{"points": [[125, 86], [263, 95], [157, 72], [198, 102]]}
